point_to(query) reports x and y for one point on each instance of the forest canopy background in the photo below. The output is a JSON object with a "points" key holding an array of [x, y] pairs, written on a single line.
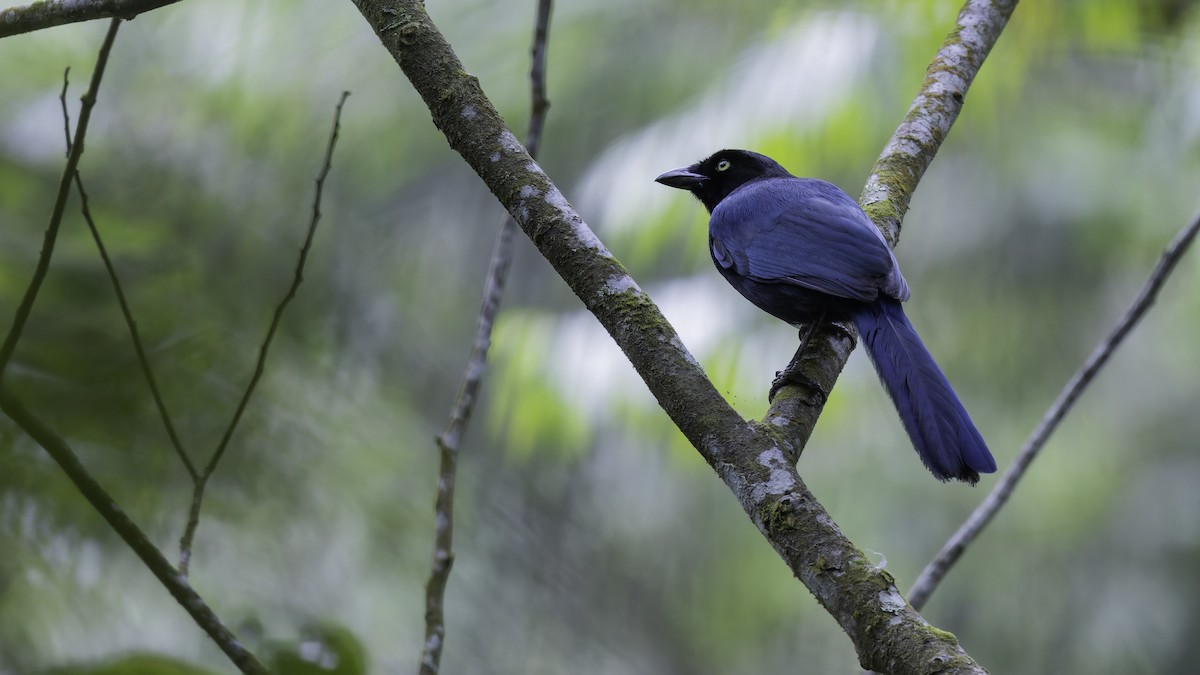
{"points": [[1073, 163]]}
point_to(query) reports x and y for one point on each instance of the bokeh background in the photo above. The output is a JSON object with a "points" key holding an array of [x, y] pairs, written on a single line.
{"points": [[591, 538]]}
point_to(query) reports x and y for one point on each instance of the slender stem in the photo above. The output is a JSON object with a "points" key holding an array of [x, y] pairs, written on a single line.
{"points": [[189, 533], [450, 438], [60, 203], [143, 361], [127, 313], [539, 104], [954, 548], [62, 99]]}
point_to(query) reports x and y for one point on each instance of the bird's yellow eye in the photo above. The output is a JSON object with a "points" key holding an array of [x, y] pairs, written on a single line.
{"points": [[723, 165]]}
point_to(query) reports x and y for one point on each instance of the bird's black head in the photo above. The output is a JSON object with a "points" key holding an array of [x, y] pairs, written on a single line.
{"points": [[712, 179]]}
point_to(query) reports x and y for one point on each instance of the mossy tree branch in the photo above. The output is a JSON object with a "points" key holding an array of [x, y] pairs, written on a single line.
{"points": [[911, 150], [756, 460], [903, 162], [51, 13]]}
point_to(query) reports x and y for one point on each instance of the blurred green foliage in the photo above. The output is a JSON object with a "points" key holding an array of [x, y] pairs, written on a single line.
{"points": [[590, 537]]}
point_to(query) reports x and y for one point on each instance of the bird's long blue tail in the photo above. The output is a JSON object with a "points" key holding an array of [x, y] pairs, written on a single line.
{"points": [[940, 428]]}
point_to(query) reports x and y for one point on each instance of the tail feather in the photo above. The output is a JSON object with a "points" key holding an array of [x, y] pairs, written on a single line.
{"points": [[940, 428]]}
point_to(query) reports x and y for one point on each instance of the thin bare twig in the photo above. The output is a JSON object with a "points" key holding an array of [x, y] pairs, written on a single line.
{"points": [[62, 98], [189, 532], [51, 13], [448, 441], [60, 203], [58, 449], [126, 312], [954, 548], [539, 104], [143, 361]]}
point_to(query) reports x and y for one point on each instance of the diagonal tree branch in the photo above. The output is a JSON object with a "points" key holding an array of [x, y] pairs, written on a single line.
{"points": [[755, 460], [448, 441], [911, 150], [51, 13], [133, 536], [189, 532], [891, 184], [954, 548]]}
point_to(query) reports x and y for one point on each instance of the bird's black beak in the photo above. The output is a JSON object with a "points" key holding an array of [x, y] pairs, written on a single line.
{"points": [[684, 179]]}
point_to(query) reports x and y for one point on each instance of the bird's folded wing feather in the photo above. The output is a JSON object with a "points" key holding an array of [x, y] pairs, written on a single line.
{"points": [[787, 232]]}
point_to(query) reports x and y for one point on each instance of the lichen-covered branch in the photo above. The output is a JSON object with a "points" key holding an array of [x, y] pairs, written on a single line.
{"points": [[51, 13], [892, 182], [916, 141], [754, 459]]}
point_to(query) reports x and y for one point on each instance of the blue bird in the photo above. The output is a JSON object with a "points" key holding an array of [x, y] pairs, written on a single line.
{"points": [[803, 251]]}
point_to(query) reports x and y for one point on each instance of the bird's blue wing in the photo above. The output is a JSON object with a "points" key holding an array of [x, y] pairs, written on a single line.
{"points": [[804, 232]]}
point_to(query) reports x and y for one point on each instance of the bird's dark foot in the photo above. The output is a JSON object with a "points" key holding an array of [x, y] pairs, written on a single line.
{"points": [[844, 330], [791, 377]]}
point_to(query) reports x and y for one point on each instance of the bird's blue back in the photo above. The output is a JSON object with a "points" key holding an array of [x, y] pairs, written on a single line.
{"points": [[804, 232]]}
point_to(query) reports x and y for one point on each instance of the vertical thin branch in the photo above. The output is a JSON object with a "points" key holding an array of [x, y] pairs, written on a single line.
{"points": [[539, 104], [60, 203], [954, 548], [450, 438], [62, 98], [189, 533]]}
